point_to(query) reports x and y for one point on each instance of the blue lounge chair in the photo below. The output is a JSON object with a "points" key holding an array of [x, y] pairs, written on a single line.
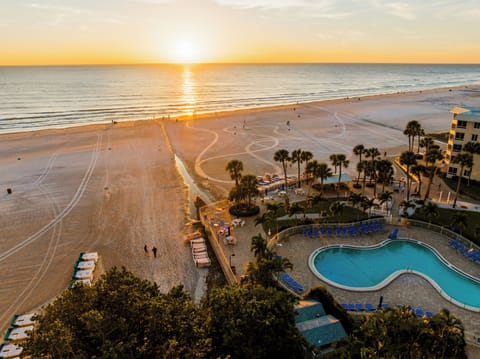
{"points": [[315, 232], [418, 312], [359, 307], [369, 307], [428, 314]]}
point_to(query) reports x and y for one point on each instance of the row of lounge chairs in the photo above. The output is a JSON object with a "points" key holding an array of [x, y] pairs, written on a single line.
{"points": [[291, 283], [368, 307], [199, 252], [84, 268], [349, 230], [19, 330], [470, 253]]}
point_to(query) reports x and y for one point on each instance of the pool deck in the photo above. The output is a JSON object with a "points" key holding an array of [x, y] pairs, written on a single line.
{"points": [[407, 289]]}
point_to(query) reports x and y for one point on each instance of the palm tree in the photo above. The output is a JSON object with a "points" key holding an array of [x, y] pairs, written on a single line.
{"points": [[368, 203], [473, 148], [412, 129], [373, 153], [355, 198], [297, 158], [419, 170], [431, 157], [316, 199], [311, 171], [420, 132], [430, 210], [259, 246], [459, 220], [323, 172], [339, 160], [283, 157], [384, 172], [274, 208], [306, 157], [358, 150], [408, 159], [465, 160], [249, 185], [426, 143], [266, 218], [235, 168], [385, 197], [364, 165], [318, 171]]}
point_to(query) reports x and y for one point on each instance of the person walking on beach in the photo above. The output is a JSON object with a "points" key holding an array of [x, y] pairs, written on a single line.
{"points": [[145, 248], [154, 250]]}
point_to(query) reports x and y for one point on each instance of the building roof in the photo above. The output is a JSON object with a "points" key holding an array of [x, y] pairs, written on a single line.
{"points": [[308, 309], [322, 331], [471, 114], [317, 328]]}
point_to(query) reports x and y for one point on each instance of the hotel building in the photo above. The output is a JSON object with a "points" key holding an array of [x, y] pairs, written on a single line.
{"points": [[465, 128]]}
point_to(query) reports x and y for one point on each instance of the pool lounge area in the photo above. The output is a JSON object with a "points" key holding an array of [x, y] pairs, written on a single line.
{"points": [[408, 288], [370, 268]]}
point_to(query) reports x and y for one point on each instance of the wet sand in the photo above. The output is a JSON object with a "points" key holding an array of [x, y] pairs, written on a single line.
{"points": [[114, 188]]}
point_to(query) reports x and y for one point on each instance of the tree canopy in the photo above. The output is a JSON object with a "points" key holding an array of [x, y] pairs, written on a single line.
{"points": [[122, 316]]}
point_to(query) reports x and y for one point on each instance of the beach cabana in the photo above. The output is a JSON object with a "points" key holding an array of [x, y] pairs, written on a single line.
{"points": [[317, 327]]}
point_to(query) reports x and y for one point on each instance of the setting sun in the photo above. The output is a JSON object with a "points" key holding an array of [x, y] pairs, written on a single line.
{"points": [[185, 52]]}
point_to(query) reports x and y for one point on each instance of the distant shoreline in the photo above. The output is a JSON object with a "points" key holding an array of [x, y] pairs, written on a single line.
{"points": [[245, 111]]}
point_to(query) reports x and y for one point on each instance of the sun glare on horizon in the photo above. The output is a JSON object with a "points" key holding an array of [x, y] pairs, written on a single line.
{"points": [[185, 52]]}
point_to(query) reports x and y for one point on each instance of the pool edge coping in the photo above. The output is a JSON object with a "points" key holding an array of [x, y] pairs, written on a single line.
{"points": [[384, 283]]}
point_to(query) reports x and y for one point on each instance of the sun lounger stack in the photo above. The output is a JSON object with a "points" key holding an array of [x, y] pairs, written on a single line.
{"points": [[20, 328], [193, 235], [200, 253], [291, 283], [84, 268]]}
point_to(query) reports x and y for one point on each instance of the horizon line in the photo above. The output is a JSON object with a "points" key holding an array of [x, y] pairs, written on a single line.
{"points": [[239, 63]]}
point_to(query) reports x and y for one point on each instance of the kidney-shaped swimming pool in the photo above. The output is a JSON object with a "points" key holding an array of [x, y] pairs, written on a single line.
{"points": [[371, 268]]}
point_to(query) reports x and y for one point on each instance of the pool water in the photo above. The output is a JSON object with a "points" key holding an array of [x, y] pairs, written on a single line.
{"points": [[363, 268]]}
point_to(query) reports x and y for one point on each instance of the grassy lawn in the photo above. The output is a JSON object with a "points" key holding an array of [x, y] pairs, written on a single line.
{"points": [[472, 191], [444, 218]]}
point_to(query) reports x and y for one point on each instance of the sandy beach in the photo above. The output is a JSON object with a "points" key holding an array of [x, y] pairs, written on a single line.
{"points": [[114, 188]]}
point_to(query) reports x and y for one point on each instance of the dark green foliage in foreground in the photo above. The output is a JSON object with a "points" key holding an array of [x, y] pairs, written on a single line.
{"points": [[331, 306], [122, 316], [253, 322], [398, 333]]}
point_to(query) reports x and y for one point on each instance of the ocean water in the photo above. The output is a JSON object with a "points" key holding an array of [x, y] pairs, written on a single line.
{"points": [[64, 96]]}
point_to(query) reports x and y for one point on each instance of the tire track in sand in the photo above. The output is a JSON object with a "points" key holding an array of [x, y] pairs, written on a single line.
{"points": [[76, 198]]}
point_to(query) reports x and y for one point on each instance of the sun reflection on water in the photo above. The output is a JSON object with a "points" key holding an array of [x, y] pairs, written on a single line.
{"points": [[188, 91]]}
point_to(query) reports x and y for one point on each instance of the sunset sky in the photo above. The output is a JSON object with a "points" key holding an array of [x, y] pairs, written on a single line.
{"points": [[158, 31]]}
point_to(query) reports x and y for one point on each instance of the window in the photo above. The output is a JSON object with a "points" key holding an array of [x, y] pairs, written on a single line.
{"points": [[461, 124], [474, 137], [452, 171], [457, 148], [459, 136], [466, 173], [476, 125]]}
